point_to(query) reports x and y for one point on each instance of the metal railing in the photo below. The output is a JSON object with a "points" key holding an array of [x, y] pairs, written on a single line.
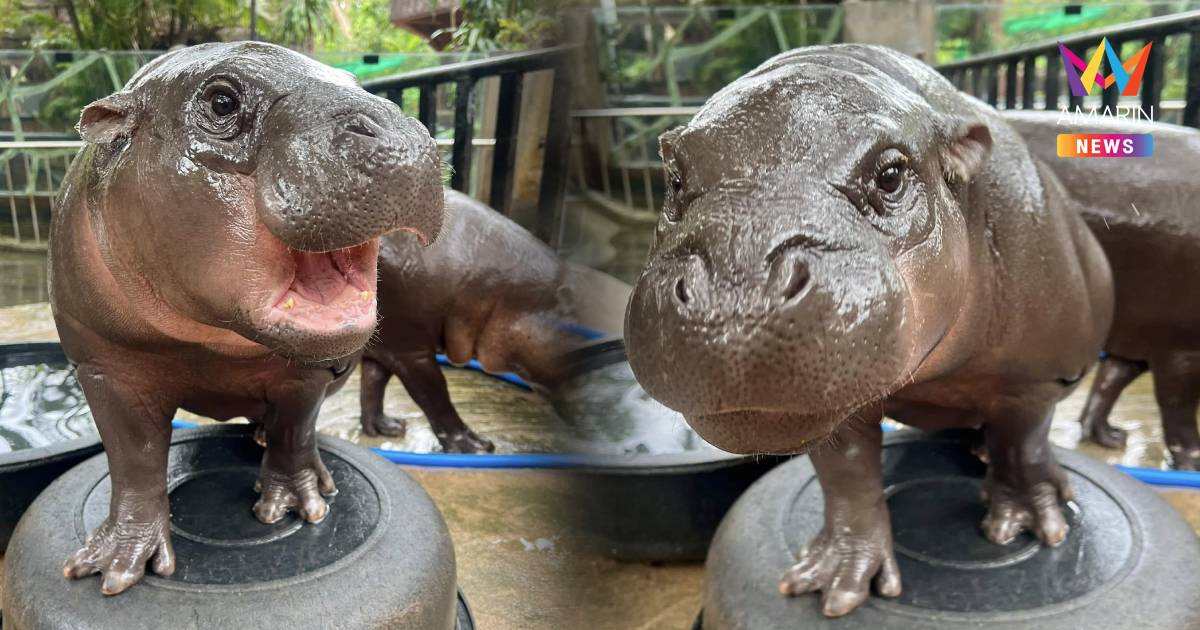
{"points": [[511, 71], [617, 156], [32, 169], [30, 175], [1033, 75]]}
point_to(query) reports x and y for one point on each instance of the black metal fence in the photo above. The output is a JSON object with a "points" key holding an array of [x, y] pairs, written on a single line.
{"points": [[511, 69], [1007, 78]]}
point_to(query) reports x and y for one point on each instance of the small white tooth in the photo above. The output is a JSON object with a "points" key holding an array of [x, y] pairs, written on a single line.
{"points": [[365, 295], [291, 302]]}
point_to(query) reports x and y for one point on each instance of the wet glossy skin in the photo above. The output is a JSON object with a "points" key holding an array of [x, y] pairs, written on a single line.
{"points": [[1144, 213], [847, 236], [487, 290], [214, 250]]}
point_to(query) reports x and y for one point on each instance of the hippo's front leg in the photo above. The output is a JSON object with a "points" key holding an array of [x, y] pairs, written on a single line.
{"points": [[1024, 483], [293, 477], [855, 544], [136, 431]]}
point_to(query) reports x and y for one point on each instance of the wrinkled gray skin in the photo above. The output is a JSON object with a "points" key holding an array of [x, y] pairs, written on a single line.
{"points": [[488, 290], [214, 250], [1144, 213], [847, 236]]}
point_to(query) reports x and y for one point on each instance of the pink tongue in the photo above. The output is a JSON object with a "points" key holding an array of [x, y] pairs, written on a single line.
{"points": [[317, 278]]}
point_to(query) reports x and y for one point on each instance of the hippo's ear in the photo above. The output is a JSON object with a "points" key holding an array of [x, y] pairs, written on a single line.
{"points": [[968, 147], [666, 143], [107, 119]]}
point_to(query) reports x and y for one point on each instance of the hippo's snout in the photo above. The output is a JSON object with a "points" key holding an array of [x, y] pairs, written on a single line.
{"points": [[331, 182], [787, 278], [766, 339]]}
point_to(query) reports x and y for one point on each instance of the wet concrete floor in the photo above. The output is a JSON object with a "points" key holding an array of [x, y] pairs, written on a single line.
{"points": [[22, 278]]}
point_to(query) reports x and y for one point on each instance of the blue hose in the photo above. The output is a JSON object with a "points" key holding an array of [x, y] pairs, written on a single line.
{"points": [[465, 460], [1165, 478], [507, 377]]}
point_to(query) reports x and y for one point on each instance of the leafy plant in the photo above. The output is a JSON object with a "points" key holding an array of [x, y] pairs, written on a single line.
{"points": [[490, 25]]}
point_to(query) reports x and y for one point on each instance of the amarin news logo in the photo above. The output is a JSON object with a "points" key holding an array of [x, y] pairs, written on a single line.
{"points": [[1126, 76]]}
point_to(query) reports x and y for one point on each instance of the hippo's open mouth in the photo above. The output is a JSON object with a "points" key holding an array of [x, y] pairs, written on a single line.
{"points": [[329, 291]]}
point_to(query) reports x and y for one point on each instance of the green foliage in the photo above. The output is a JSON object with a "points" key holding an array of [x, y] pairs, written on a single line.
{"points": [[490, 25], [149, 24], [30, 29], [296, 22], [370, 30]]}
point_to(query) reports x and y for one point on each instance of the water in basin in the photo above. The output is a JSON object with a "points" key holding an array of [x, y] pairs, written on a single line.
{"points": [[41, 404]]}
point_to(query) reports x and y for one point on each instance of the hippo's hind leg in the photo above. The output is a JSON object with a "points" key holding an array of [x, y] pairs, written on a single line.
{"points": [[1177, 389], [1113, 375], [374, 421], [137, 434], [855, 544], [423, 379], [293, 477], [1024, 484]]}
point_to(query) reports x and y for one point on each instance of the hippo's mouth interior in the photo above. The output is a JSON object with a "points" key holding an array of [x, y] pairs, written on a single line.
{"points": [[330, 290]]}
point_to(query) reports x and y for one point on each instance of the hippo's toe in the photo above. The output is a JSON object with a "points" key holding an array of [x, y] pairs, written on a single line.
{"points": [[1183, 458], [120, 553], [466, 441], [842, 566], [1105, 435], [301, 491], [385, 425], [1012, 510]]}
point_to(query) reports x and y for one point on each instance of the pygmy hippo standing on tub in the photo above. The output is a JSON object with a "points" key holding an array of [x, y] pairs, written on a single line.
{"points": [[1146, 214], [214, 249], [488, 290], [846, 236]]}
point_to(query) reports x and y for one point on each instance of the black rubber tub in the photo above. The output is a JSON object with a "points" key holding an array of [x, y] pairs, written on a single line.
{"points": [[25, 472], [655, 508], [1129, 561], [382, 558]]}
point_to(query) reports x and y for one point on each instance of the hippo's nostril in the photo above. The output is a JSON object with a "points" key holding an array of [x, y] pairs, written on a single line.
{"points": [[360, 125], [795, 278], [681, 292]]}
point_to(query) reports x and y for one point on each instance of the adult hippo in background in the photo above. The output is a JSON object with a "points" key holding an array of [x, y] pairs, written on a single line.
{"points": [[847, 236], [1146, 214], [214, 249], [488, 290]]}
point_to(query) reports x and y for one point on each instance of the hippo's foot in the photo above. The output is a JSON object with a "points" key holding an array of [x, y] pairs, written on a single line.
{"points": [[1183, 458], [842, 565], [385, 425], [302, 490], [465, 441], [1032, 505], [120, 548], [1105, 435]]}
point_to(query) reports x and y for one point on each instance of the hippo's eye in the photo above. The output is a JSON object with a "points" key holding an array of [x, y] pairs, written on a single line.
{"points": [[890, 179], [223, 103]]}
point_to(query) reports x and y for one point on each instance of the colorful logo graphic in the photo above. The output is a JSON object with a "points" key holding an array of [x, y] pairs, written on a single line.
{"points": [[1127, 76], [1111, 145]]}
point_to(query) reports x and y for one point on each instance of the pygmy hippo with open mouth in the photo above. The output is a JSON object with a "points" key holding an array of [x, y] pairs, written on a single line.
{"points": [[847, 236], [214, 249]]}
